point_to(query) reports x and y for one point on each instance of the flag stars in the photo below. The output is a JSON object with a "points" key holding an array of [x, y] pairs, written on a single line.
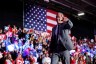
{"points": [[31, 19], [28, 23], [27, 18], [30, 10], [38, 23], [37, 18], [30, 26], [34, 6], [38, 13], [25, 25], [45, 29], [32, 14], [41, 29], [43, 12], [38, 28], [45, 20], [41, 19], [38, 8], [34, 17], [34, 22], [28, 13], [41, 24]]}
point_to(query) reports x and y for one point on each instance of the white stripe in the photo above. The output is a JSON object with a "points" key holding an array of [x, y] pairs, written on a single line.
{"points": [[49, 28], [51, 22], [51, 14]]}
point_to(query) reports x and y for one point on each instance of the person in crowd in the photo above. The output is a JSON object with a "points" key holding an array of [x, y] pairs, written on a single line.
{"points": [[46, 59], [14, 29], [73, 60], [81, 60], [1, 58], [61, 43], [0, 31], [26, 61], [94, 59], [39, 60], [9, 59], [31, 59], [19, 59], [88, 59]]}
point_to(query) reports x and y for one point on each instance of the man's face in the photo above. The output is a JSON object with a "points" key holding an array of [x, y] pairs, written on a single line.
{"points": [[60, 17]]}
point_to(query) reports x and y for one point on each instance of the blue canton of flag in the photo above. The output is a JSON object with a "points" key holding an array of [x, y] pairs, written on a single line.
{"points": [[35, 18]]}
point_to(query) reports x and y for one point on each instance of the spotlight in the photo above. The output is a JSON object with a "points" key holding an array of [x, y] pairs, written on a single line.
{"points": [[46, 0], [81, 13]]}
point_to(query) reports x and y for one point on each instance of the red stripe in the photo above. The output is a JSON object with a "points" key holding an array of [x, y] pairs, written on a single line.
{"points": [[51, 18], [49, 31], [52, 11], [51, 25]]}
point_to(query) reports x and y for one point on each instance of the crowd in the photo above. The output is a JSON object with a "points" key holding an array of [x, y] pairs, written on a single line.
{"points": [[84, 51], [28, 46]]}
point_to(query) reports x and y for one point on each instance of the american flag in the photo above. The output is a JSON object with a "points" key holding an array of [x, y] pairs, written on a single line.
{"points": [[39, 18]]}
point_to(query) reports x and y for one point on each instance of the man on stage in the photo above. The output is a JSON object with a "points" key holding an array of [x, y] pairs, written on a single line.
{"points": [[61, 43]]}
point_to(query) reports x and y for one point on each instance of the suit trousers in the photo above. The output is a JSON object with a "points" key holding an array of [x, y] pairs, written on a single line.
{"points": [[64, 55]]}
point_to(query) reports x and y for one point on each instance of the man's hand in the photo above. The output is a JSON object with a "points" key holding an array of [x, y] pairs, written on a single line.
{"points": [[65, 19]]}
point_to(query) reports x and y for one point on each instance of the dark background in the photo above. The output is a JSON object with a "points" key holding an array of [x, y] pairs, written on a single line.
{"points": [[11, 12]]}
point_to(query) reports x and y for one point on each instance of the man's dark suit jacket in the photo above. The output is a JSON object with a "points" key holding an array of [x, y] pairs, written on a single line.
{"points": [[64, 42]]}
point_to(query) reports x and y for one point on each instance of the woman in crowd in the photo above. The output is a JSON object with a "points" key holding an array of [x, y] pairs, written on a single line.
{"points": [[81, 60], [8, 59], [19, 59], [31, 59]]}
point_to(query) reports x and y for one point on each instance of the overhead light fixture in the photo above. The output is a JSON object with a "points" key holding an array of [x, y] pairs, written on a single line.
{"points": [[46, 0], [81, 13]]}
